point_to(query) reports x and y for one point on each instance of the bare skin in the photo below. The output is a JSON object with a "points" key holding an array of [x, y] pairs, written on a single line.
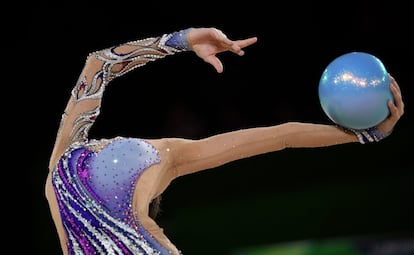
{"points": [[185, 156]]}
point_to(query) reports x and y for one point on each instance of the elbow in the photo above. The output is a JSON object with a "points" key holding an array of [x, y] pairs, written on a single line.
{"points": [[92, 59]]}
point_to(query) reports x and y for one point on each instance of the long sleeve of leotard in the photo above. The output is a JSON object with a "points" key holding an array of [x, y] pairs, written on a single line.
{"points": [[100, 68]]}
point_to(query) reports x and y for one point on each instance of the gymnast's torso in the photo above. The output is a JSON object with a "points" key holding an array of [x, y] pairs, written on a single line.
{"points": [[94, 186]]}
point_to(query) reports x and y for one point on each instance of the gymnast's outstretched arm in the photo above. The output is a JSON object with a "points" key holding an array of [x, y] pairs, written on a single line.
{"points": [[195, 155]]}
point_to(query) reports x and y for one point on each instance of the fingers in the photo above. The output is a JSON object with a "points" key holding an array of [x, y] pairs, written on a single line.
{"points": [[215, 62], [398, 102], [394, 115], [395, 107], [238, 45], [235, 46], [246, 42], [223, 43], [220, 36]]}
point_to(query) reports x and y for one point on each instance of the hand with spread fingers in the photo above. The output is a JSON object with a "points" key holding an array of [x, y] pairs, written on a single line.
{"points": [[208, 42]]}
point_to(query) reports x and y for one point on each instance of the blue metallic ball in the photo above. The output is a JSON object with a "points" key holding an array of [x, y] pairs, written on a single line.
{"points": [[354, 91]]}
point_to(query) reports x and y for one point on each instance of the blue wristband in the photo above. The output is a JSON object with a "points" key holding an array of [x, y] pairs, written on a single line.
{"points": [[370, 135], [178, 40]]}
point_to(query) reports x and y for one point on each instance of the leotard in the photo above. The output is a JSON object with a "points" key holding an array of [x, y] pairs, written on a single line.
{"points": [[94, 180]]}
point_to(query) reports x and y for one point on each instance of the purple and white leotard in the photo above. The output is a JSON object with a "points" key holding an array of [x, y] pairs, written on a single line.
{"points": [[94, 190], [94, 180]]}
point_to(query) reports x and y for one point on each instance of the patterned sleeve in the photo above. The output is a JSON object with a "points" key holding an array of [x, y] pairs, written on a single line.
{"points": [[100, 68]]}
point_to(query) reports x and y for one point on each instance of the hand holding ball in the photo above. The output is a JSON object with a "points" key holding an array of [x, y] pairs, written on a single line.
{"points": [[354, 91]]}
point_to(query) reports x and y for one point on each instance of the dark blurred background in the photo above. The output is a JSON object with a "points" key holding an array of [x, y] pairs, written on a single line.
{"points": [[347, 191]]}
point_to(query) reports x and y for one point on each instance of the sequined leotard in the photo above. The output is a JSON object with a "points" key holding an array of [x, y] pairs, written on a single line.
{"points": [[94, 180]]}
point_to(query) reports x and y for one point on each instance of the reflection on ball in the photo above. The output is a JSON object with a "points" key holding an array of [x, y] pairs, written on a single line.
{"points": [[354, 90]]}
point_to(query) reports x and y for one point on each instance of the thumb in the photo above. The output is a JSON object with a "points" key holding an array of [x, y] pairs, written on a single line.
{"points": [[215, 62]]}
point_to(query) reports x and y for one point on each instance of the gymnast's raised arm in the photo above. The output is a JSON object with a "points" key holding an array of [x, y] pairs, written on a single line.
{"points": [[103, 66]]}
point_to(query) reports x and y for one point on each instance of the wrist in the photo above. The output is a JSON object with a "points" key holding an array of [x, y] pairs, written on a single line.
{"points": [[370, 135], [179, 40]]}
